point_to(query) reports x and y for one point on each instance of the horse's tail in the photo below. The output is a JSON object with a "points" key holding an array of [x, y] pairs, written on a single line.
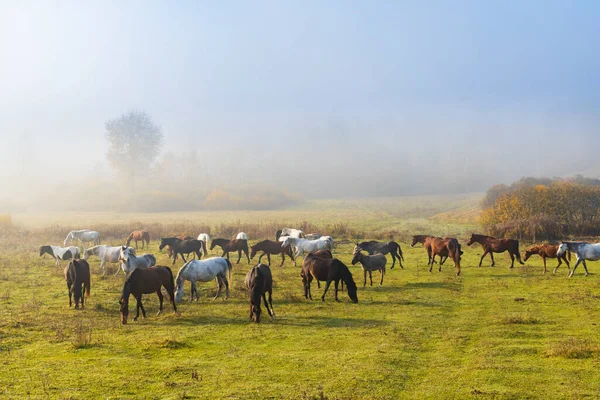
{"points": [[171, 281], [399, 251], [569, 254], [204, 247], [229, 267], [87, 282], [518, 254]]}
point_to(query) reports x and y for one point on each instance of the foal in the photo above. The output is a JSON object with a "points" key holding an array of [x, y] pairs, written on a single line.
{"points": [[548, 251]]}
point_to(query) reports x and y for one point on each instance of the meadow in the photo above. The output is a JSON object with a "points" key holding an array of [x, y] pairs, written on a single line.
{"points": [[490, 333]]}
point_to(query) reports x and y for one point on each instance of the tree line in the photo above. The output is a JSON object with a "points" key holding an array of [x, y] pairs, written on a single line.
{"points": [[544, 208]]}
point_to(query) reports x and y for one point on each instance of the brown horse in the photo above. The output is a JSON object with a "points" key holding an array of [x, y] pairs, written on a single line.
{"points": [[548, 251], [269, 247], [259, 282], [445, 248], [227, 245], [492, 245], [146, 281], [183, 237], [77, 275], [136, 236], [328, 270], [425, 240], [181, 247]]}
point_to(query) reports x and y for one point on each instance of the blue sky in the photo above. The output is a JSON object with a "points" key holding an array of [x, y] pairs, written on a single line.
{"points": [[368, 80]]}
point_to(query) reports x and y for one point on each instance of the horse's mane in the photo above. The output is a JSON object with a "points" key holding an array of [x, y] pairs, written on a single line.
{"points": [[346, 274], [182, 269]]}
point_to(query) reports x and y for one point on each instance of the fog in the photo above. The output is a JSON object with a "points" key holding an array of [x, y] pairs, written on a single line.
{"points": [[298, 100]]}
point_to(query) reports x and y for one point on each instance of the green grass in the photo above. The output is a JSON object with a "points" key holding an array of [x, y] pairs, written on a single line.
{"points": [[490, 333]]}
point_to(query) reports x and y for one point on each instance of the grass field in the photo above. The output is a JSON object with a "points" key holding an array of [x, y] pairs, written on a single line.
{"points": [[490, 333]]}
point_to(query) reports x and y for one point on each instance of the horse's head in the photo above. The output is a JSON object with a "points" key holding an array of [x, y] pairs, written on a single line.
{"points": [[286, 242], [529, 253], [357, 256], [124, 309], [357, 248], [352, 291], [562, 248], [213, 244], [87, 253], [471, 240], [278, 234], [43, 250], [124, 254], [179, 283], [163, 243], [252, 251], [415, 240]]}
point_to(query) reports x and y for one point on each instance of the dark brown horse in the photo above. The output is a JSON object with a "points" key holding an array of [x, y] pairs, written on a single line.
{"points": [[181, 247], [492, 245], [259, 281], [425, 240], [145, 281], [183, 237], [227, 245], [328, 270], [374, 247], [137, 236], [548, 251], [269, 247], [445, 248], [77, 275]]}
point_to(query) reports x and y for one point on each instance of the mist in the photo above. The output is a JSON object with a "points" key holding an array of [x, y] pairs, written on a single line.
{"points": [[293, 101]]}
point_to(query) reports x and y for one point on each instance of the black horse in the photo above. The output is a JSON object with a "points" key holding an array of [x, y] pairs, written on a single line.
{"points": [[374, 247], [259, 282], [182, 247]]}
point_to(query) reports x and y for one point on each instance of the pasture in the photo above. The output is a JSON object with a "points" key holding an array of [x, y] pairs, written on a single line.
{"points": [[490, 333]]}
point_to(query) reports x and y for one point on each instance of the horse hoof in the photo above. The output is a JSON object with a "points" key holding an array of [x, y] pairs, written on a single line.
{"points": [[135, 319]]}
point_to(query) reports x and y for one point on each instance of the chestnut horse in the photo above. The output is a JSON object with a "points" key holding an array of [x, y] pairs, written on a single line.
{"points": [[328, 270], [445, 248], [227, 245], [269, 247], [425, 240], [77, 275], [136, 236], [548, 251], [146, 281], [492, 245]]}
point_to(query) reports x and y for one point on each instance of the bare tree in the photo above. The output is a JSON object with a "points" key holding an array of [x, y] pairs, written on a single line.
{"points": [[133, 143]]}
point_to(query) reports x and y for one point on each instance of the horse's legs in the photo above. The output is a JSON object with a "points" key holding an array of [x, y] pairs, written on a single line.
{"points": [[371, 277], [268, 258], [103, 267], [261, 256], [482, 256], [326, 288], [248, 257], [365, 277], [138, 305], [70, 294], [183, 258], [566, 261], [559, 264], [160, 300], [220, 282], [575, 267], [382, 273], [264, 296], [585, 266], [512, 259], [226, 286], [192, 290], [336, 283], [431, 262], [282, 259], [240, 257], [199, 254], [544, 259], [271, 303], [492, 257]]}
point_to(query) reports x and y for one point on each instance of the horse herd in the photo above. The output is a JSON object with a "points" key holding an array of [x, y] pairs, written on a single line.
{"points": [[143, 276]]}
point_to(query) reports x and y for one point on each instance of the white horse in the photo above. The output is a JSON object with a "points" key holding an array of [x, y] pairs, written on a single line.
{"points": [[291, 232], [129, 261], [241, 235], [203, 271], [61, 253], [83, 236], [307, 246], [106, 254], [330, 238], [204, 237], [583, 251]]}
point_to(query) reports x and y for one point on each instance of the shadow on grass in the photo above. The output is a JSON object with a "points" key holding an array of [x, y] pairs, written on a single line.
{"points": [[312, 321], [432, 285]]}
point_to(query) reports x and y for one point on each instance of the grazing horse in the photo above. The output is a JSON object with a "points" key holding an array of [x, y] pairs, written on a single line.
{"points": [[129, 262], [77, 275], [446, 248], [146, 281], [227, 245], [548, 251], [425, 240], [296, 233], [375, 247], [60, 253], [369, 264], [136, 236], [181, 247], [328, 270], [492, 245], [269, 247], [306, 246], [83, 236], [259, 282], [583, 251], [203, 271], [241, 235], [106, 254], [204, 238]]}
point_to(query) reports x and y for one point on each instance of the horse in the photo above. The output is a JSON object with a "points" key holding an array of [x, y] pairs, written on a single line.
{"points": [[83, 236], [269, 247], [425, 240], [446, 248], [583, 251], [204, 238], [144, 236], [146, 281], [77, 275], [106, 254], [227, 245], [328, 270], [181, 246], [308, 246], [203, 271], [548, 251], [369, 264], [259, 281], [492, 245], [182, 237], [60, 253], [374, 247], [241, 235], [296, 233], [129, 262], [329, 238]]}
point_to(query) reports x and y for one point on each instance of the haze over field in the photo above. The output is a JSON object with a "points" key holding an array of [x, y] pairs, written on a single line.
{"points": [[298, 99]]}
